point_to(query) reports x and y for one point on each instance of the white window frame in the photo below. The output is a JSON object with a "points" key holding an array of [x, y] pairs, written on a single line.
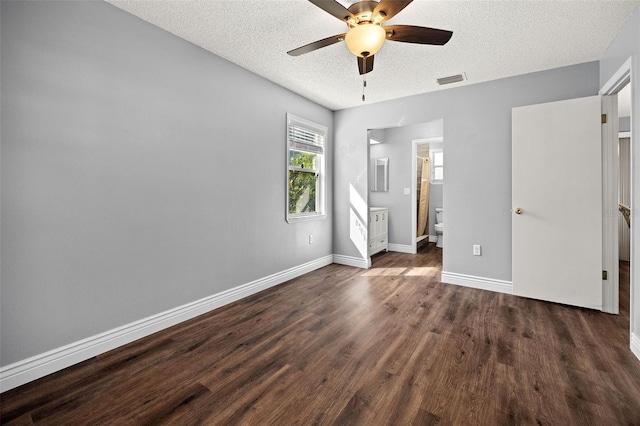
{"points": [[318, 147], [432, 156]]}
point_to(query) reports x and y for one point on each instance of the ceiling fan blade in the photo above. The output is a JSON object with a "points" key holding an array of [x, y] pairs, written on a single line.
{"points": [[420, 35], [390, 8], [316, 45], [365, 65], [334, 8]]}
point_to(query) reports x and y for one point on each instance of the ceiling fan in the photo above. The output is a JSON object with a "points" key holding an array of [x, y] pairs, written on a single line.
{"points": [[366, 33]]}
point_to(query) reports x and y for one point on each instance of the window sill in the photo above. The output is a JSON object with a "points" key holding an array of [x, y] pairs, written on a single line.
{"points": [[304, 218]]}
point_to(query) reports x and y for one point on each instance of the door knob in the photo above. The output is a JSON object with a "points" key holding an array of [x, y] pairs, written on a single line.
{"points": [[518, 210]]}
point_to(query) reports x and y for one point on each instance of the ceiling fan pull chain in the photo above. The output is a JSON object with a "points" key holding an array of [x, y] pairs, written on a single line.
{"points": [[364, 84]]}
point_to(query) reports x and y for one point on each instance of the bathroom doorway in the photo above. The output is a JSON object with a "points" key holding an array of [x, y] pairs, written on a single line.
{"points": [[396, 146], [427, 191]]}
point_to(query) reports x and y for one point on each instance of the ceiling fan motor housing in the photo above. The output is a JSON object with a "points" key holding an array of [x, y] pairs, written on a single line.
{"points": [[363, 9], [366, 35]]}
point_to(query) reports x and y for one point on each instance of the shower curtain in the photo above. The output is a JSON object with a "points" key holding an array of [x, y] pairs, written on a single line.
{"points": [[423, 203]]}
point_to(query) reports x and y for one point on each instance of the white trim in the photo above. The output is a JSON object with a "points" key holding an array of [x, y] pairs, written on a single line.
{"points": [[321, 209], [635, 345], [634, 287], [38, 366], [401, 248], [356, 262], [618, 80], [610, 171], [433, 238], [482, 283], [624, 135], [433, 139]]}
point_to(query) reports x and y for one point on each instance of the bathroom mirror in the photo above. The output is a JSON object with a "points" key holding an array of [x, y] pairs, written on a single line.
{"points": [[380, 180]]}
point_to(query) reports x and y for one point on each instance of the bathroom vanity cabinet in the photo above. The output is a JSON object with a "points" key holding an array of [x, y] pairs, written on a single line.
{"points": [[378, 229]]}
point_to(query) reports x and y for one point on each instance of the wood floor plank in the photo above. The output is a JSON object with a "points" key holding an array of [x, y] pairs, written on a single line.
{"points": [[386, 346]]}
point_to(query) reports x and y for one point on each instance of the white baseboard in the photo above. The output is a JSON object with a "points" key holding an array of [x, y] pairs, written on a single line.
{"points": [[352, 261], [433, 238], [635, 345], [401, 248], [482, 283], [21, 372]]}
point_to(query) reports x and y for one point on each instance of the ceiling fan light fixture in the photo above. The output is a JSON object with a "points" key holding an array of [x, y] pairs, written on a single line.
{"points": [[365, 39]]}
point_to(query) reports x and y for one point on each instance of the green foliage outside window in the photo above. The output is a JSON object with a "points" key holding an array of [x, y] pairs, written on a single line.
{"points": [[302, 182]]}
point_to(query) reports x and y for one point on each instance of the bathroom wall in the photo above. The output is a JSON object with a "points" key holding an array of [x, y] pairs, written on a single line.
{"points": [[379, 135], [398, 148]]}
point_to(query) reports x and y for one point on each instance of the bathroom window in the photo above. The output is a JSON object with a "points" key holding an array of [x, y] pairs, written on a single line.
{"points": [[305, 169], [437, 160]]}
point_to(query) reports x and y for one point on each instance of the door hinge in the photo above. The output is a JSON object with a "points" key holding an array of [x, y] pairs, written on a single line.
{"points": [[604, 118], [604, 275]]}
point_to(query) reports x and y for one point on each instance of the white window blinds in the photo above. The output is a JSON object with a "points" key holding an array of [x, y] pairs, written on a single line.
{"points": [[305, 136]]}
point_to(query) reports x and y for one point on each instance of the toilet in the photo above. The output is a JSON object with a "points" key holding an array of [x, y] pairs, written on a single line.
{"points": [[439, 226]]}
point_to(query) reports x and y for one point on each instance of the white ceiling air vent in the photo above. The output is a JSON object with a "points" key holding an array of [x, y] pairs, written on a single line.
{"points": [[452, 79]]}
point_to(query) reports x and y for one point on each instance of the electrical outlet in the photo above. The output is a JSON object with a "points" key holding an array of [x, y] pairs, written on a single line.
{"points": [[477, 250], [407, 191], [310, 239]]}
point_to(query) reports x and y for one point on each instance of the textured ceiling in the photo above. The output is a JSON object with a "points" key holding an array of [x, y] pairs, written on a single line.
{"points": [[491, 40]]}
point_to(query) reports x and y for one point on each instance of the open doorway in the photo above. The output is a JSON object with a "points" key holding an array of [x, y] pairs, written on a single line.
{"points": [[391, 150], [427, 191], [618, 296]]}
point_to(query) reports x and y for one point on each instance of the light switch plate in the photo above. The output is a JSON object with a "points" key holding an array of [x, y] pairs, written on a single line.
{"points": [[477, 250]]}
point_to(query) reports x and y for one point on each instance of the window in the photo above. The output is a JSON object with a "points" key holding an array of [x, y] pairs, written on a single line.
{"points": [[437, 160], [305, 169]]}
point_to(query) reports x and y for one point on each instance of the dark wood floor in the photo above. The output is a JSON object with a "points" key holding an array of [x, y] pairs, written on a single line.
{"points": [[341, 345]]}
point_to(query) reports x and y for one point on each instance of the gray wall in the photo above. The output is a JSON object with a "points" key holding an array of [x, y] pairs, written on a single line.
{"points": [[397, 147], [625, 46], [624, 124], [139, 173], [477, 134]]}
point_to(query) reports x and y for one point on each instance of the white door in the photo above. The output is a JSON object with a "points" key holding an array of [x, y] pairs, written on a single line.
{"points": [[557, 202]]}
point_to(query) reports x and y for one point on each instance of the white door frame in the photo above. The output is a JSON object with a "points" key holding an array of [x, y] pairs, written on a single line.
{"points": [[610, 171], [610, 289], [414, 187]]}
